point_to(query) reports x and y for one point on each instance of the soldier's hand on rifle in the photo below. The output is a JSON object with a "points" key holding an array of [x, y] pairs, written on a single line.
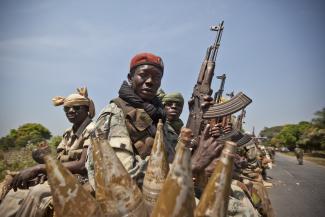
{"points": [[216, 130], [208, 149], [208, 101], [22, 178], [227, 128]]}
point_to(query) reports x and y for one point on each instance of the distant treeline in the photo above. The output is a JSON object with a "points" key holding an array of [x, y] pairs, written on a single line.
{"points": [[16, 147], [308, 135], [27, 134]]}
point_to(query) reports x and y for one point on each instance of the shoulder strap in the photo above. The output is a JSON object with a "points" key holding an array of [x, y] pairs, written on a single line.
{"points": [[122, 105]]}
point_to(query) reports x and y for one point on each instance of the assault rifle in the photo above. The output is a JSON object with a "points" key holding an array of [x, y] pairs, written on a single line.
{"points": [[218, 94], [199, 115], [240, 119]]}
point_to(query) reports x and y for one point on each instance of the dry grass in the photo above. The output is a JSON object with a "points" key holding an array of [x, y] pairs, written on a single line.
{"points": [[309, 157], [317, 160], [15, 160]]}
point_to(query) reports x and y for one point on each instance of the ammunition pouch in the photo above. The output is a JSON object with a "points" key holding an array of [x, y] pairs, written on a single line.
{"points": [[140, 127]]}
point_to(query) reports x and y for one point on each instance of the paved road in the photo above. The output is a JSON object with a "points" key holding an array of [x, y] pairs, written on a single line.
{"points": [[298, 190]]}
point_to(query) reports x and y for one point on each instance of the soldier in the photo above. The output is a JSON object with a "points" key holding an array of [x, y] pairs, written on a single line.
{"points": [[72, 152], [299, 155], [129, 121], [173, 103], [249, 173]]}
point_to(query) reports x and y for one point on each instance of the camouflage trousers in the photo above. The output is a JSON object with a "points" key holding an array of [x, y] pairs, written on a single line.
{"points": [[32, 202]]}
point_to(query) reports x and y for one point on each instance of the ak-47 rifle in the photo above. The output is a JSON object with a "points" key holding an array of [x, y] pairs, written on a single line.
{"points": [[218, 94], [199, 115], [240, 119], [218, 98]]}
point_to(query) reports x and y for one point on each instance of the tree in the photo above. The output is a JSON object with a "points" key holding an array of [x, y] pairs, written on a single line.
{"points": [[55, 141], [291, 134], [310, 135], [6, 142], [319, 120], [269, 133], [25, 134], [313, 139], [288, 136]]}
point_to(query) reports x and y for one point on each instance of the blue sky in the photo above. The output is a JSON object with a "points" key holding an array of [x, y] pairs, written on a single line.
{"points": [[271, 50]]}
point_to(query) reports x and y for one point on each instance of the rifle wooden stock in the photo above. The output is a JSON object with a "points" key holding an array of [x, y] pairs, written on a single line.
{"points": [[229, 107]]}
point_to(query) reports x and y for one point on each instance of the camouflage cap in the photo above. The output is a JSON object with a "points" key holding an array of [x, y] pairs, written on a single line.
{"points": [[173, 97]]}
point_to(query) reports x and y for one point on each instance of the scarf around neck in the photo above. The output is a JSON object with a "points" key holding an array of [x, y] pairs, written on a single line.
{"points": [[176, 125], [154, 108]]}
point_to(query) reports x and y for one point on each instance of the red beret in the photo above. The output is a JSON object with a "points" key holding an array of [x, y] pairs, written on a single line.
{"points": [[146, 59]]}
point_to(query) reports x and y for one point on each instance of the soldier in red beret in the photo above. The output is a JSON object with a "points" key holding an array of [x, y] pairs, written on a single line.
{"points": [[129, 121]]}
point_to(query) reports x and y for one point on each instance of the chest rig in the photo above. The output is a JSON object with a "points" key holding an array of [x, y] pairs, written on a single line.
{"points": [[140, 127]]}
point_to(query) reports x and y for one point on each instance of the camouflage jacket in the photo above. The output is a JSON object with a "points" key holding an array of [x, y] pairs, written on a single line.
{"points": [[299, 151], [172, 135], [72, 143], [111, 125]]}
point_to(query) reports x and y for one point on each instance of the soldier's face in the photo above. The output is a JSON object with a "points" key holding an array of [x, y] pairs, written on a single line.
{"points": [[145, 81], [173, 110], [76, 114]]}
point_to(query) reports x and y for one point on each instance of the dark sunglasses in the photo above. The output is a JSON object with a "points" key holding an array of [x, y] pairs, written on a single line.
{"points": [[76, 108]]}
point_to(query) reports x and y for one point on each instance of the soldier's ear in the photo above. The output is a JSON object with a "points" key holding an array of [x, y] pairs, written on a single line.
{"points": [[130, 78]]}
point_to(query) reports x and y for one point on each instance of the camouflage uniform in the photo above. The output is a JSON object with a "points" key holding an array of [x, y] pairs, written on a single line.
{"points": [[173, 127], [239, 202], [252, 177], [112, 125], [172, 132], [112, 120], [35, 200], [299, 154]]}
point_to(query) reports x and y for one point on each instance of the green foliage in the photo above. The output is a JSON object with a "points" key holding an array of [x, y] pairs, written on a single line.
{"points": [[319, 120], [30, 133], [288, 136], [309, 135], [291, 134], [313, 139], [269, 133], [6, 142], [55, 141]]}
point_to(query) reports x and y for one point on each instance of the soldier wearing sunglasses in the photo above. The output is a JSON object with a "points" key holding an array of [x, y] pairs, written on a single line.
{"points": [[72, 152]]}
